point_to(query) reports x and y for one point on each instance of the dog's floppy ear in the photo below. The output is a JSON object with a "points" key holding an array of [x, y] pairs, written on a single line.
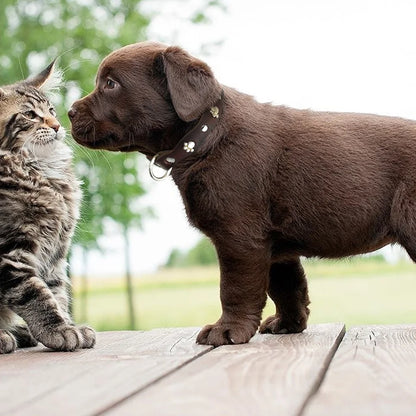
{"points": [[190, 82]]}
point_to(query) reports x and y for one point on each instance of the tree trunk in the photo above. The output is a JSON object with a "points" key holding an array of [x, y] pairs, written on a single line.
{"points": [[70, 289], [84, 287], [129, 284]]}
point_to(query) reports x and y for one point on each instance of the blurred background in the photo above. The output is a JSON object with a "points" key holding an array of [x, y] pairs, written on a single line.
{"points": [[135, 262]]}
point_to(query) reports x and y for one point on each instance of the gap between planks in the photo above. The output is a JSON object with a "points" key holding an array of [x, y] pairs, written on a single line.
{"points": [[372, 373], [86, 381], [273, 374]]}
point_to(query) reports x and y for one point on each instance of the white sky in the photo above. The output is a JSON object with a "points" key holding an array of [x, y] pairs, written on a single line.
{"points": [[335, 55]]}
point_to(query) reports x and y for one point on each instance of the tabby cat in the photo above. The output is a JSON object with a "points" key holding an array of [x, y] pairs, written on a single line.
{"points": [[39, 206]]}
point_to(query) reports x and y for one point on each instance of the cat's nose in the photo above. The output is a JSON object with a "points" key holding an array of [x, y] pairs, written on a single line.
{"points": [[71, 113], [53, 124]]}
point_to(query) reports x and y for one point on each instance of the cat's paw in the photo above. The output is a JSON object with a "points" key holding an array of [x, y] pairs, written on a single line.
{"points": [[68, 338], [23, 337], [88, 335], [7, 342]]}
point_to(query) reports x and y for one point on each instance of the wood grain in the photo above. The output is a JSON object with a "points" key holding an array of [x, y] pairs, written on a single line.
{"points": [[38, 381], [373, 373], [272, 375]]}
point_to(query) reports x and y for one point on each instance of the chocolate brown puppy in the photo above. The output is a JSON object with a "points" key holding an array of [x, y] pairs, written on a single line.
{"points": [[267, 184]]}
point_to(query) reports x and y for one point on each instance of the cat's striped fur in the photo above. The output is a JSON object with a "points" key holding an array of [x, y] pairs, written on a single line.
{"points": [[39, 206]]}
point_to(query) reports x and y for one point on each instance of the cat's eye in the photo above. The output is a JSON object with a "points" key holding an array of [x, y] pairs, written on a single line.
{"points": [[52, 111], [110, 84], [31, 115]]}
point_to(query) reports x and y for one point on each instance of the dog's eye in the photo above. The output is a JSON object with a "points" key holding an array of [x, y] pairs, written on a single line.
{"points": [[110, 84]]}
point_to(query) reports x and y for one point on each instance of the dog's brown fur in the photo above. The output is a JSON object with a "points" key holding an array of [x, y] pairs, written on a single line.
{"points": [[270, 185]]}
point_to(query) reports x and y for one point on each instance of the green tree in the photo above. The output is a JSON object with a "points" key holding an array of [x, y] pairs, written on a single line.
{"points": [[120, 204], [80, 33], [176, 258]]}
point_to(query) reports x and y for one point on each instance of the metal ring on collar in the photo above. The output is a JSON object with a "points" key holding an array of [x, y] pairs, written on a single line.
{"points": [[151, 172]]}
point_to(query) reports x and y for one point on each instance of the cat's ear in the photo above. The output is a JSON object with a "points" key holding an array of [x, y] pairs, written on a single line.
{"points": [[47, 80]]}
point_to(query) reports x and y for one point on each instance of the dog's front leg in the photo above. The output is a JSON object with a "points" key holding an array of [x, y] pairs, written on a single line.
{"points": [[244, 277]]}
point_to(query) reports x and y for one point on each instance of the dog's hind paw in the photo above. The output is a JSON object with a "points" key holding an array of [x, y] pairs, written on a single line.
{"points": [[276, 325]]}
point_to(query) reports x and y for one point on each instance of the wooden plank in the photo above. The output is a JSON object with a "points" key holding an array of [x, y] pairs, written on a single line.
{"points": [[373, 373], [271, 375], [38, 381]]}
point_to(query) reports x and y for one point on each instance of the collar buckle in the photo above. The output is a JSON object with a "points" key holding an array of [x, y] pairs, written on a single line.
{"points": [[152, 165]]}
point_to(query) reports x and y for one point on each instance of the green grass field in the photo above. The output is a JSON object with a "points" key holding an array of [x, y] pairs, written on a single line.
{"points": [[359, 291]]}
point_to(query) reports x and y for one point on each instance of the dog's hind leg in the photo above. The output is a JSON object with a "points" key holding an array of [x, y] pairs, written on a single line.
{"points": [[403, 218], [289, 291]]}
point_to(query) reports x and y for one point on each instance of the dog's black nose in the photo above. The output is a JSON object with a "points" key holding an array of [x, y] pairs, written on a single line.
{"points": [[71, 113]]}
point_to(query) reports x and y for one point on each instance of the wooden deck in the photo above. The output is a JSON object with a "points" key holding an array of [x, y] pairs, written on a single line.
{"points": [[324, 371]]}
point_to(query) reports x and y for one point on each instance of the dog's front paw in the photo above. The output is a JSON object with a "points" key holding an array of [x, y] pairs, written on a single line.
{"points": [[277, 325], [7, 342], [68, 338], [223, 333]]}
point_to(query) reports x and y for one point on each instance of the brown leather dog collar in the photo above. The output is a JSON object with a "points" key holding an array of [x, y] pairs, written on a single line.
{"points": [[189, 143]]}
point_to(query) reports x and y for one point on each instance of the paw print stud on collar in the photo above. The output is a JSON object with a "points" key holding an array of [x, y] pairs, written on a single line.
{"points": [[189, 147]]}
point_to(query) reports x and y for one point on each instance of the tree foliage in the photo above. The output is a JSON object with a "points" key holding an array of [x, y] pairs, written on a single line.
{"points": [[80, 33], [202, 254]]}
